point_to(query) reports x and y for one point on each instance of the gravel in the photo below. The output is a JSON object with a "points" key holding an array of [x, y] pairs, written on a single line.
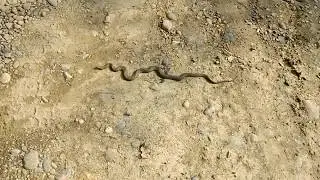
{"points": [[14, 14], [31, 160]]}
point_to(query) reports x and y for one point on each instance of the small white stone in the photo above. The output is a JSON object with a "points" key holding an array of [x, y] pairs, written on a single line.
{"points": [[109, 130], [54, 165], [167, 25], [186, 104], [312, 109], [5, 78], [81, 121]]}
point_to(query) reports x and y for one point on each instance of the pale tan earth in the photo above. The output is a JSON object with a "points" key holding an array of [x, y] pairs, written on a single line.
{"points": [[94, 125]]}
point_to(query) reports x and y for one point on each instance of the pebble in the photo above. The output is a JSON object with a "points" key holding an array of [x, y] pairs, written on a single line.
{"points": [[209, 111], [67, 75], [186, 104], [312, 109], [112, 155], [154, 87], [229, 36], [7, 60], [31, 160], [9, 25], [44, 99], [20, 23], [107, 19], [170, 15], [24, 148], [17, 26], [46, 164], [26, 6], [195, 178], [12, 2], [53, 3], [209, 21], [7, 55], [213, 108], [65, 67], [16, 64], [64, 175], [167, 25], [5, 78], [51, 177], [7, 37], [15, 152], [80, 121], [54, 165], [108, 130]]}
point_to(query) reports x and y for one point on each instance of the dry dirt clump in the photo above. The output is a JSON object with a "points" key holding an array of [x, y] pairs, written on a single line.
{"points": [[62, 119]]}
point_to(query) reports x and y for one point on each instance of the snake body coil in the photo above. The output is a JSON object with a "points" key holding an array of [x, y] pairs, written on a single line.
{"points": [[158, 71]]}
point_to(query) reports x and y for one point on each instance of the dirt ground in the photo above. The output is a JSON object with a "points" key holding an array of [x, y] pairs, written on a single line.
{"points": [[62, 119]]}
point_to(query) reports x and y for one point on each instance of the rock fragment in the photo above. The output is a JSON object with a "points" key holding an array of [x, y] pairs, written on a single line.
{"points": [[31, 160]]}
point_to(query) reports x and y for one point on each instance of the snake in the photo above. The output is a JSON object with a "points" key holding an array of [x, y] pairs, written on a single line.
{"points": [[158, 70]]}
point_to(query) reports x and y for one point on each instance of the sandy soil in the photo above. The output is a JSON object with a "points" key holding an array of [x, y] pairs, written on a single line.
{"points": [[62, 119]]}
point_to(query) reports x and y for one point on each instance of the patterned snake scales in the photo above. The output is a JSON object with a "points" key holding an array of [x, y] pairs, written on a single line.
{"points": [[161, 73]]}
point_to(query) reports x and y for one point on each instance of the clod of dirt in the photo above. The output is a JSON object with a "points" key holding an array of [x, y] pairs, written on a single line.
{"points": [[31, 160], [312, 109], [5, 78], [167, 25]]}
